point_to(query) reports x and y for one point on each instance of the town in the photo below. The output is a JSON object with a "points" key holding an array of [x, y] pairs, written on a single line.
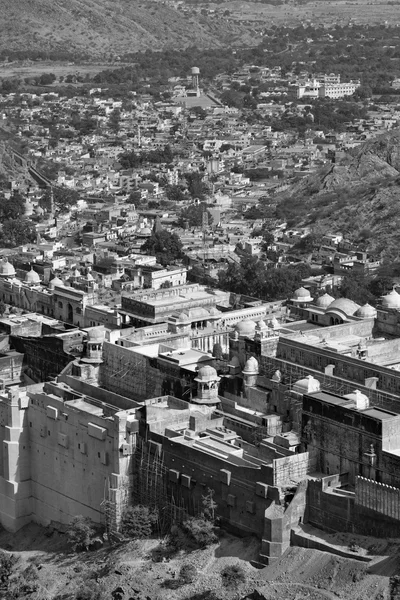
{"points": [[168, 326]]}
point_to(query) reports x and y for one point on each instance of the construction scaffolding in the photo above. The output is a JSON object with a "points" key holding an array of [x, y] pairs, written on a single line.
{"points": [[291, 372], [151, 487]]}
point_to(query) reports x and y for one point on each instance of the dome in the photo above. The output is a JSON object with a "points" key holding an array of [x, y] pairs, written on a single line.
{"points": [[198, 313], [183, 318], [348, 307], [301, 295], [366, 312], [274, 323], [145, 231], [391, 300], [308, 385], [32, 277], [245, 328], [261, 324], [96, 335], [55, 281], [89, 277], [214, 312], [6, 269], [324, 301], [360, 400], [206, 373], [251, 366]]}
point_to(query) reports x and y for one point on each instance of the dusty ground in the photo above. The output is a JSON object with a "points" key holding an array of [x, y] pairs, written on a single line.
{"points": [[300, 574], [332, 12], [34, 69]]}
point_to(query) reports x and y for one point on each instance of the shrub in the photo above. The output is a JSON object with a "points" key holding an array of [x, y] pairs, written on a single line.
{"points": [[7, 562], [81, 533], [233, 576], [187, 574], [138, 522], [90, 591], [195, 532]]}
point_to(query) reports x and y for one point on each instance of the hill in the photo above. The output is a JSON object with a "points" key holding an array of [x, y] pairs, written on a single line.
{"points": [[359, 196], [43, 567], [100, 28]]}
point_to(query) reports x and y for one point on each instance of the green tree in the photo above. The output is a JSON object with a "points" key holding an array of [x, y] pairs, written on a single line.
{"points": [[16, 232], [356, 288], [209, 504], [114, 120], [138, 521], [193, 215], [174, 193], [165, 246], [3, 308], [64, 199], [81, 533], [196, 186], [11, 208]]}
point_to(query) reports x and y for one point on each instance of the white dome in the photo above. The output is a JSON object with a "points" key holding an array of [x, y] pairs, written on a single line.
{"points": [[324, 301], [245, 328], [251, 366], [96, 335], [6, 269], [32, 277], [308, 385], [206, 373], [55, 281], [301, 295], [366, 312], [348, 307], [391, 300], [360, 400]]}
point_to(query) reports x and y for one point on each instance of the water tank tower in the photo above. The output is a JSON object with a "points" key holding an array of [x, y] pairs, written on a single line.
{"points": [[195, 77]]}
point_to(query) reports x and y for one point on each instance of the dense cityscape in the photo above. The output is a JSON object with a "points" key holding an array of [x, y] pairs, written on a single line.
{"points": [[199, 327]]}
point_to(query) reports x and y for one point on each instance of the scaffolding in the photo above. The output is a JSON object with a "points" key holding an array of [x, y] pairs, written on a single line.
{"points": [[151, 487], [292, 372]]}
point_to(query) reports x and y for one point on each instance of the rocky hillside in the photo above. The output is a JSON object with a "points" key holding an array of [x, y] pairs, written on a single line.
{"points": [[108, 27], [359, 196]]}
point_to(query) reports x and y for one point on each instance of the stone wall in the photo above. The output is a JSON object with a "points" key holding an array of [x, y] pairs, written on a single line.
{"points": [[329, 508], [293, 468]]}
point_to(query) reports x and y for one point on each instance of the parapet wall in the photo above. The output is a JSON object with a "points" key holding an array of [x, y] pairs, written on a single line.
{"points": [[376, 509]]}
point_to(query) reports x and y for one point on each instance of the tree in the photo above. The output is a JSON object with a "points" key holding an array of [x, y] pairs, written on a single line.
{"points": [[166, 285], [11, 208], [3, 308], [174, 193], [209, 504], [138, 521], [81, 533], [355, 287], [165, 246], [114, 120], [193, 215], [16, 232], [64, 199], [196, 186]]}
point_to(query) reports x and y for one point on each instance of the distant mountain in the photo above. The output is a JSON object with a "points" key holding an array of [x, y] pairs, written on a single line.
{"points": [[103, 27], [359, 196]]}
